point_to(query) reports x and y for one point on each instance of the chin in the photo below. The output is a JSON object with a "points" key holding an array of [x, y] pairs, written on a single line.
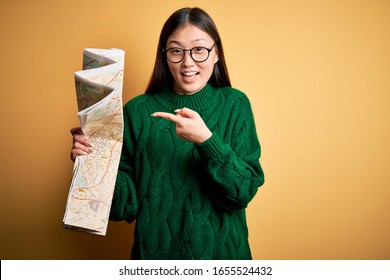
{"points": [[189, 89]]}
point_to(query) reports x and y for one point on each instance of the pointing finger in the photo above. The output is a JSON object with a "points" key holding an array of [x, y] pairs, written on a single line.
{"points": [[168, 116]]}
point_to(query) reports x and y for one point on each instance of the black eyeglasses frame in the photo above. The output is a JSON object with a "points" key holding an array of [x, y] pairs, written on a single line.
{"points": [[190, 51]]}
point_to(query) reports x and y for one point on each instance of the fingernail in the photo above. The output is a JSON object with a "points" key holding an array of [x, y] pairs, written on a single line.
{"points": [[153, 115], [177, 110], [85, 153], [90, 150]]}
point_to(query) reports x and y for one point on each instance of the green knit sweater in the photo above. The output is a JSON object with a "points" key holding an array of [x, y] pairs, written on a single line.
{"points": [[188, 200]]}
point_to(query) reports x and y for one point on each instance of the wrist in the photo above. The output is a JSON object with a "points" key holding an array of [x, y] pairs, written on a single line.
{"points": [[204, 137]]}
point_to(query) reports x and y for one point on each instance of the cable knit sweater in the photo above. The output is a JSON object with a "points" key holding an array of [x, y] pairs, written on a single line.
{"points": [[188, 200]]}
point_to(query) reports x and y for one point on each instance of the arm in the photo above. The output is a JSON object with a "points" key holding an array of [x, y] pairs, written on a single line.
{"points": [[235, 168]]}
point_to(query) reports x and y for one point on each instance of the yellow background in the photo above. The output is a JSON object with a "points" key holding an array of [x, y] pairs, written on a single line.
{"points": [[317, 73]]}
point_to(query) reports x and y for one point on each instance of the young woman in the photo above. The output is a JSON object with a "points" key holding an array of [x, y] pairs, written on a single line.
{"points": [[190, 157]]}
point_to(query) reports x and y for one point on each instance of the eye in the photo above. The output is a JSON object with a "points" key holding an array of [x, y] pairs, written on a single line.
{"points": [[199, 49], [175, 51]]}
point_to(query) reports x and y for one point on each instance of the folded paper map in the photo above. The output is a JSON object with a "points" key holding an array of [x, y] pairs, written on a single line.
{"points": [[99, 100]]}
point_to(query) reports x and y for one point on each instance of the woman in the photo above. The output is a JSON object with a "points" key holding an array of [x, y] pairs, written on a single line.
{"points": [[187, 177]]}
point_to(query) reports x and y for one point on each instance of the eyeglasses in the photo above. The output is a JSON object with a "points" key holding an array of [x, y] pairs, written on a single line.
{"points": [[198, 54]]}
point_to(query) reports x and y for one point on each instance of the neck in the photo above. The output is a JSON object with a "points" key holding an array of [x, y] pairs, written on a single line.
{"points": [[177, 90], [197, 101]]}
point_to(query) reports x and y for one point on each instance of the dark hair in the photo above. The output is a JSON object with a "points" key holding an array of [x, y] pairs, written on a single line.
{"points": [[161, 75]]}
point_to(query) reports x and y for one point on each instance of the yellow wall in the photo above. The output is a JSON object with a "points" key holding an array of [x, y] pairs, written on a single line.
{"points": [[317, 73]]}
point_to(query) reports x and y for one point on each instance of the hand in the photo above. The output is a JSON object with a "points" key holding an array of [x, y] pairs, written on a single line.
{"points": [[81, 145], [189, 125]]}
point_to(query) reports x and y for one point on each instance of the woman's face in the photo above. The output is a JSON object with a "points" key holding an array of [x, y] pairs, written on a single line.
{"points": [[191, 76]]}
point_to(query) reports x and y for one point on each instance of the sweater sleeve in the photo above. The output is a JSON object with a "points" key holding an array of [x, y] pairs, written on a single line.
{"points": [[234, 167], [125, 204]]}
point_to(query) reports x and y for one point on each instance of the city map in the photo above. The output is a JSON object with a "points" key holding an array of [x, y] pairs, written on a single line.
{"points": [[99, 99]]}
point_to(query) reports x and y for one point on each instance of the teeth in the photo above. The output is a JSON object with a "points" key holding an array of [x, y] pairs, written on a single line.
{"points": [[189, 73]]}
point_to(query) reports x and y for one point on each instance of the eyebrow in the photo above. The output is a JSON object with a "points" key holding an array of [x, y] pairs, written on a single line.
{"points": [[178, 43]]}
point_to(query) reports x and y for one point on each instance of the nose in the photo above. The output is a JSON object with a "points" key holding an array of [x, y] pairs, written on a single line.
{"points": [[187, 60]]}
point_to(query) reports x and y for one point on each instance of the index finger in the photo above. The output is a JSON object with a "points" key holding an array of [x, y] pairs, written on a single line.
{"points": [[168, 116]]}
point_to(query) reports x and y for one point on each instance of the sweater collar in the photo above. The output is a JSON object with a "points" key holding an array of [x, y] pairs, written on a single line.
{"points": [[198, 101]]}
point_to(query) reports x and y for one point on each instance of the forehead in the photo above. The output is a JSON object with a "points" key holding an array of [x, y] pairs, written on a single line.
{"points": [[188, 34]]}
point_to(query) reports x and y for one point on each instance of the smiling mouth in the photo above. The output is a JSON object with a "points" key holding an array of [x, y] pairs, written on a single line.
{"points": [[189, 74]]}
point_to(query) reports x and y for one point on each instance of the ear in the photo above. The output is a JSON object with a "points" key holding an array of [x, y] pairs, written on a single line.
{"points": [[216, 58]]}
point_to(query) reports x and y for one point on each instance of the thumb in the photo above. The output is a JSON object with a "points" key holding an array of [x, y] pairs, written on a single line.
{"points": [[76, 130], [186, 113]]}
